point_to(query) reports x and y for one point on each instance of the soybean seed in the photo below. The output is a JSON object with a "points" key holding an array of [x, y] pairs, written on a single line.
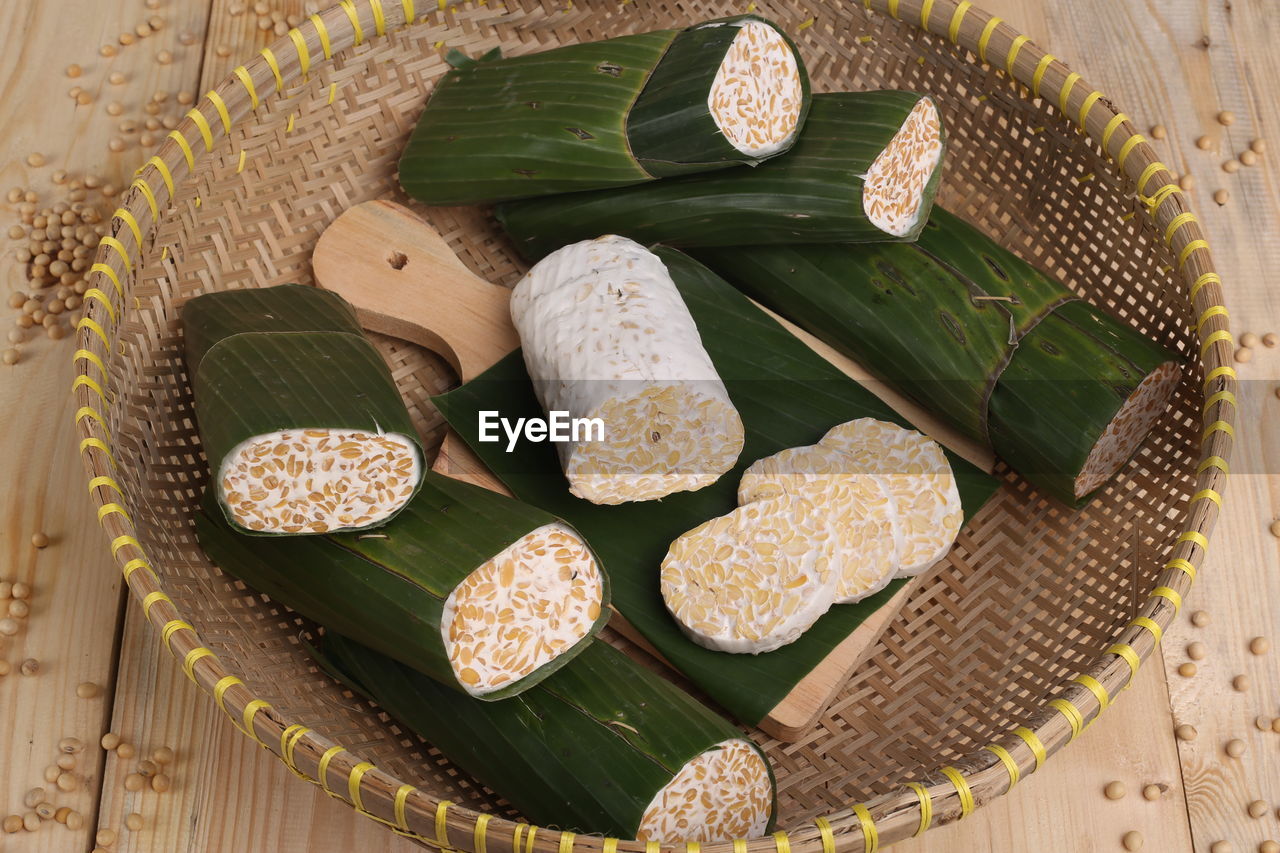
{"points": [[31, 821], [1185, 732], [116, 78], [147, 768], [67, 782], [1270, 339], [62, 814], [163, 755], [19, 609], [1151, 792], [31, 798], [1226, 117], [1231, 166], [1114, 790], [1200, 618], [1259, 645], [161, 783], [1187, 669], [12, 823], [1235, 748], [1240, 683], [1221, 196], [1158, 131], [21, 590], [35, 160], [30, 666], [1196, 650], [71, 745], [1220, 847], [40, 539], [46, 810], [1132, 840], [4, 668], [1248, 158], [1257, 808], [127, 39], [164, 57], [133, 821], [134, 782], [1244, 354], [125, 750], [110, 741], [1187, 182], [105, 837], [75, 821], [1204, 143], [1249, 339], [51, 774], [8, 625], [87, 689], [66, 762], [1262, 723], [1269, 846]]}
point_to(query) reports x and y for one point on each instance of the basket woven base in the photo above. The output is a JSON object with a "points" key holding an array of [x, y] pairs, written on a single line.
{"points": [[1030, 594]]}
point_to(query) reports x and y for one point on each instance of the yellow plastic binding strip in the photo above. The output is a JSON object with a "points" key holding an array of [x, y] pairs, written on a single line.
{"points": [[739, 845], [1168, 594], [1195, 538], [1129, 655], [322, 772], [163, 169], [150, 599], [95, 293], [220, 688], [1007, 760], [398, 809], [1218, 426], [1220, 335], [121, 541], [136, 564], [962, 9], [92, 358], [323, 32], [1089, 101], [1212, 311], [304, 55], [1064, 94], [206, 132], [1188, 249], [1038, 76], [781, 843], [1185, 566], [442, 825], [1013, 53], [893, 10], [1108, 131], [1095, 687], [1225, 370], [221, 106], [113, 243], [172, 627], [145, 189], [186, 149], [247, 80], [828, 837], [104, 482], [1207, 495], [110, 273], [1151, 625], [1214, 462], [1177, 222], [962, 788], [86, 382], [380, 27], [533, 830], [288, 743], [275, 67], [127, 218], [250, 712], [350, 8], [409, 15], [86, 443], [1220, 397], [986, 37], [1148, 173], [1074, 718], [192, 657], [926, 9], [926, 807], [1200, 282], [113, 508], [566, 843], [353, 790], [870, 835], [1129, 145], [1033, 742]]}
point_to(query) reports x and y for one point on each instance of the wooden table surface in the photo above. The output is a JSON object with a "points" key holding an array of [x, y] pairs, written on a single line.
{"points": [[1176, 62]]}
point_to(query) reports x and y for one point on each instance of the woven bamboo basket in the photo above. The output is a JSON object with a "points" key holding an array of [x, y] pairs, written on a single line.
{"points": [[1005, 654]]}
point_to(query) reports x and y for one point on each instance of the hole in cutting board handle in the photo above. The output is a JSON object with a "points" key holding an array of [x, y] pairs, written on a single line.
{"points": [[398, 260]]}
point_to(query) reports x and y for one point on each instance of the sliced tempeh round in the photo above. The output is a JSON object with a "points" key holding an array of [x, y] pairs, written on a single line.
{"points": [[606, 335], [757, 92], [894, 193], [919, 477], [719, 795], [755, 579], [1125, 432], [521, 609], [857, 507]]}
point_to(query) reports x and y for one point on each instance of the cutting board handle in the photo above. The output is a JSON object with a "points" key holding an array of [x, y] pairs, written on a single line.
{"points": [[406, 282]]}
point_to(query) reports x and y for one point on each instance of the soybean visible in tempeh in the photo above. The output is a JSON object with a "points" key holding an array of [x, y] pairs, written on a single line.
{"points": [[479, 591], [607, 114], [865, 169], [606, 335], [602, 746]]}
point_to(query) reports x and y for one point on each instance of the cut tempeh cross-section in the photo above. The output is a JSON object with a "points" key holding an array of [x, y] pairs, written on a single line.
{"points": [[756, 96], [917, 475], [606, 335], [858, 507], [753, 580], [894, 193]]}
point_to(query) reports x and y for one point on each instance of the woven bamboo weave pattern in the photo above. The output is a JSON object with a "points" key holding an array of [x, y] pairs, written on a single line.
{"points": [[1014, 644]]}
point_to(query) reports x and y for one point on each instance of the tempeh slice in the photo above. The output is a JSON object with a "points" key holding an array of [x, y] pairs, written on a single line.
{"points": [[894, 193], [606, 335], [857, 507], [757, 92], [919, 477], [755, 579]]}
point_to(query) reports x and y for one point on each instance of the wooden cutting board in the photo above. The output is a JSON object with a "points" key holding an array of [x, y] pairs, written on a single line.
{"points": [[404, 281]]}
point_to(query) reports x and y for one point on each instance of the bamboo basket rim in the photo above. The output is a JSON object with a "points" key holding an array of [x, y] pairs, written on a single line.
{"points": [[949, 793]]}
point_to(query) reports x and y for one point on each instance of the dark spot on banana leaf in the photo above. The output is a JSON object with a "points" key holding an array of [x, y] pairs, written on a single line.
{"points": [[580, 133], [952, 325], [609, 68]]}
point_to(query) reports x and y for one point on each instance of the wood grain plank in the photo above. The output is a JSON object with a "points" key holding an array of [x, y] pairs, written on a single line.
{"points": [[77, 600]]}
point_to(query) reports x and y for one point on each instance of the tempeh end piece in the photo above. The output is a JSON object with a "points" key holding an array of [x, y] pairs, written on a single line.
{"points": [[893, 194], [721, 794], [757, 93], [755, 579], [857, 507], [522, 609], [667, 438], [917, 474], [1120, 440], [318, 480]]}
